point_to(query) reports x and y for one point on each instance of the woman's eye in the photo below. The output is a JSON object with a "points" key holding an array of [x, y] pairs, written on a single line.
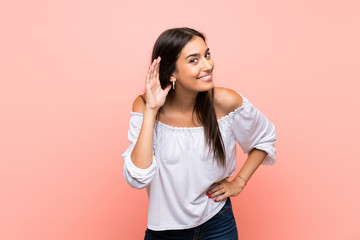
{"points": [[207, 55]]}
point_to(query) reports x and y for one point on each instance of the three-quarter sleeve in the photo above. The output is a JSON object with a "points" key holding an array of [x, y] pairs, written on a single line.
{"points": [[136, 177], [252, 129]]}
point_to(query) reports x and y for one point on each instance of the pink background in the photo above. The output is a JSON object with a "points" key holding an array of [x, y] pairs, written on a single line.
{"points": [[70, 70]]}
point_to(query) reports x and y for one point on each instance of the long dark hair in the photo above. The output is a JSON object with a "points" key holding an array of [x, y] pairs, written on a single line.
{"points": [[168, 46]]}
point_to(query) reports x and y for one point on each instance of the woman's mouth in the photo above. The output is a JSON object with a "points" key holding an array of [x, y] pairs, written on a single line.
{"points": [[205, 78]]}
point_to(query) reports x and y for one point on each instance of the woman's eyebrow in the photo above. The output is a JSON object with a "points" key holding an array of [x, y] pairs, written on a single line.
{"points": [[196, 54]]}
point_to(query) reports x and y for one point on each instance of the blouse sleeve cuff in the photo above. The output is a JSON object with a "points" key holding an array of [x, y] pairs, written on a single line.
{"points": [[270, 158], [138, 177]]}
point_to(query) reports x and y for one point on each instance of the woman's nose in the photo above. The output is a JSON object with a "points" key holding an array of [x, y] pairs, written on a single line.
{"points": [[206, 65]]}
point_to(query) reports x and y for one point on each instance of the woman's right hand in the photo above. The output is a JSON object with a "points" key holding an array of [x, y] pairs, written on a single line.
{"points": [[155, 95]]}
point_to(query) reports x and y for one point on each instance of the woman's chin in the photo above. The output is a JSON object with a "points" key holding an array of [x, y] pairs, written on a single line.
{"points": [[208, 86]]}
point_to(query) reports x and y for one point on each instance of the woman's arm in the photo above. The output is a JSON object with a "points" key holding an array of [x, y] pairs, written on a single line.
{"points": [[142, 153], [256, 136], [253, 161], [233, 188]]}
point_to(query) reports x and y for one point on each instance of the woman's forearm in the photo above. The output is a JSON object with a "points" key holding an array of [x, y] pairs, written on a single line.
{"points": [[226, 189], [142, 153], [254, 160]]}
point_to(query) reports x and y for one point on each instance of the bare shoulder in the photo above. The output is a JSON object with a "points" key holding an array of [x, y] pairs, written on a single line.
{"points": [[139, 104], [226, 100]]}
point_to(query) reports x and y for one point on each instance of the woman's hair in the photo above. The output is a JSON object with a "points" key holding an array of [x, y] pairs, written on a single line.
{"points": [[168, 46]]}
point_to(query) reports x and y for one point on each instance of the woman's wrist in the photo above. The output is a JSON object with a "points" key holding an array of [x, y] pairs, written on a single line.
{"points": [[240, 181], [151, 112], [243, 179]]}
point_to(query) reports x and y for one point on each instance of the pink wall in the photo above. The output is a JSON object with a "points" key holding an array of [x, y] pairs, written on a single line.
{"points": [[70, 70]]}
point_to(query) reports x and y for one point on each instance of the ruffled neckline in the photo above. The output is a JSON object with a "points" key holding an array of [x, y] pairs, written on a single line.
{"points": [[220, 120]]}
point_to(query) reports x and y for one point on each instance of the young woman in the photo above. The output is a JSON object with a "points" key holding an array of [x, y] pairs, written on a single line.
{"points": [[183, 133]]}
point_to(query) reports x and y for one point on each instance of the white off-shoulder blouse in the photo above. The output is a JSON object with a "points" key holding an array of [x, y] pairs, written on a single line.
{"points": [[183, 168]]}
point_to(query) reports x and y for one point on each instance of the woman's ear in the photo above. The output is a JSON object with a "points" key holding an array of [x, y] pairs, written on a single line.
{"points": [[172, 79]]}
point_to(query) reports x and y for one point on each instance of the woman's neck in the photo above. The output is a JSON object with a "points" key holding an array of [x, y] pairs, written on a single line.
{"points": [[183, 101]]}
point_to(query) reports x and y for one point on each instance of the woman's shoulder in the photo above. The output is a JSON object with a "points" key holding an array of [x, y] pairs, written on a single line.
{"points": [[139, 104], [226, 100]]}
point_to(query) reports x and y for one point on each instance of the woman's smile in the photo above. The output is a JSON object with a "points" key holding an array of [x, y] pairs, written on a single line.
{"points": [[206, 78]]}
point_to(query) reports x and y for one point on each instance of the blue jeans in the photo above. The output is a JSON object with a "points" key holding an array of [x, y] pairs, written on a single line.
{"points": [[220, 227]]}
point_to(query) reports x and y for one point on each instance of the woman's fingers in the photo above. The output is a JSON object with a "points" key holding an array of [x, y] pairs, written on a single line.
{"points": [[217, 188], [156, 96], [223, 190], [157, 67], [211, 192], [221, 198], [147, 78], [148, 75], [153, 70], [167, 89], [219, 194]]}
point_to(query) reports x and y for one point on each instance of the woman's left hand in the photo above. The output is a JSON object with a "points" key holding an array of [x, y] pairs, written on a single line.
{"points": [[225, 189]]}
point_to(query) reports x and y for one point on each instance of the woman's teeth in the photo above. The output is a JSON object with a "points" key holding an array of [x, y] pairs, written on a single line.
{"points": [[205, 77]]}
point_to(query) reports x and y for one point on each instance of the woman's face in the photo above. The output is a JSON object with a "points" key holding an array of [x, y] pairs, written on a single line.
{"points": [[194, 67]]}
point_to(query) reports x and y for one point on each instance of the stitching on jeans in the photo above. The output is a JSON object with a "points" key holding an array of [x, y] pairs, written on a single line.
{"points": [[199, 237], [225, 210], [201, 233]]}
